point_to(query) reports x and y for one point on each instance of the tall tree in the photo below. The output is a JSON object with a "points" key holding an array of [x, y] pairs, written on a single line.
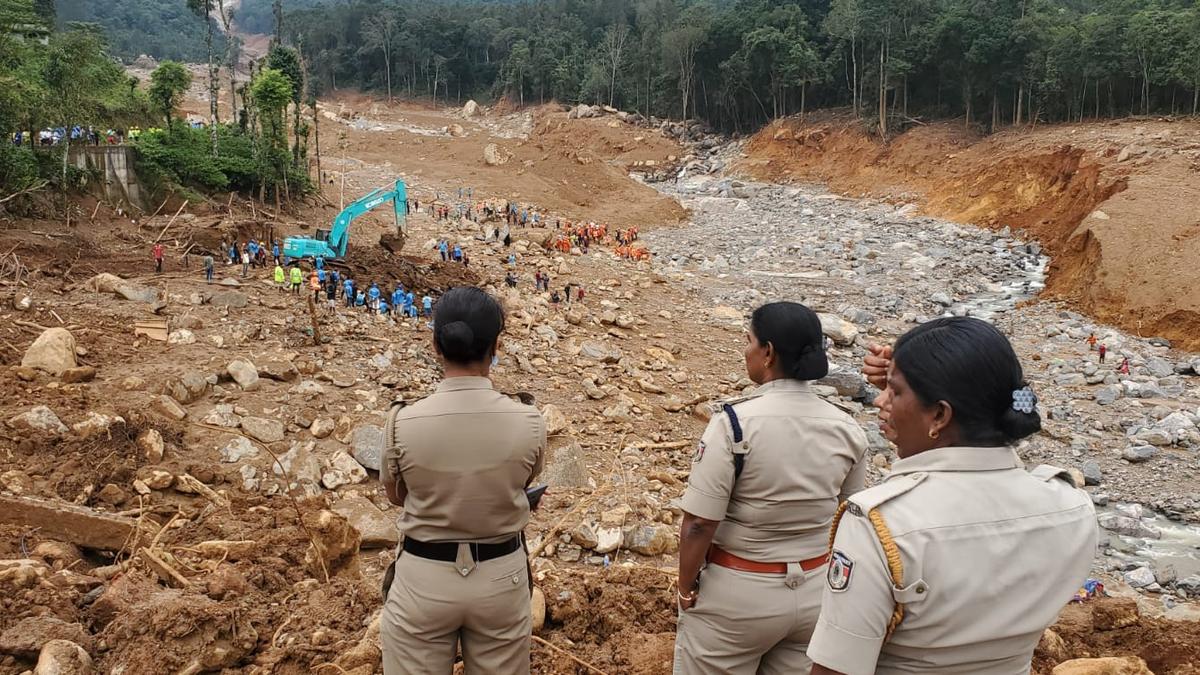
{"points": [[612, 48], [379, 34], [168, 83], [204, 9]]}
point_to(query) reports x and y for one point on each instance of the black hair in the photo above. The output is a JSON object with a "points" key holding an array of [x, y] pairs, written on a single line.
{"points": [[794, 332], [969, 364], [466, 324]]}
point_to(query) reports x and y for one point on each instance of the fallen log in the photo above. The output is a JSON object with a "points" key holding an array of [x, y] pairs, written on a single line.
{"points": [[78, 525]]}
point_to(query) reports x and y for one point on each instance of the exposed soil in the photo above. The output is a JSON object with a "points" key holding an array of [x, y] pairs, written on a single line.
{"points": [[1114, 202]]}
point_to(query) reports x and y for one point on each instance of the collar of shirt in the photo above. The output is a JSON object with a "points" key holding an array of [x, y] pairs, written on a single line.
{"points": [[463, 384], [783, 384], [959, 459]]}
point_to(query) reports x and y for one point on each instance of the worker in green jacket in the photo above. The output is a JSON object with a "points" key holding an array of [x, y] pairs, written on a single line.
{"points": [[297, 279], [279, 278]]}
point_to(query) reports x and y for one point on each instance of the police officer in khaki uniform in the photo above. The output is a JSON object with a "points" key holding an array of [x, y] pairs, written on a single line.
{"points": [[959, 560], [459, 462], [765, 483]]}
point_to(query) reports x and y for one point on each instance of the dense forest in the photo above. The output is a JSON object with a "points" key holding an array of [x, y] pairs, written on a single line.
{"points": [[164, 29], [739, 64]]}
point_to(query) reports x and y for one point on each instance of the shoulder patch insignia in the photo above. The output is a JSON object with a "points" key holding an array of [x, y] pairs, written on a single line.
{"points": [[841, 567]]}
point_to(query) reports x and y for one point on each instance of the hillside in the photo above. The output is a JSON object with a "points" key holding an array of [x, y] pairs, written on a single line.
{"points": [[1113, 202], [164, 29]]}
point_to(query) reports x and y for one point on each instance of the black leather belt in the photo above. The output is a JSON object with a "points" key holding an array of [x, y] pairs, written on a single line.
{"points": [[447, 551]]}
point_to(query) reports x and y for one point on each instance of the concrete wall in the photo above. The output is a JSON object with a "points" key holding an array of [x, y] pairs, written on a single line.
{"points": [[113, 166]]}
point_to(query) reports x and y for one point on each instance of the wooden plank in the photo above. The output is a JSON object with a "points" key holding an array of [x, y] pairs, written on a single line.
{"points": [[78, 525]]}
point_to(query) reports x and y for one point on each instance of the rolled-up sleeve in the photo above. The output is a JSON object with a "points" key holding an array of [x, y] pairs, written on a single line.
{"points": [[854, 617], [711, 480]]}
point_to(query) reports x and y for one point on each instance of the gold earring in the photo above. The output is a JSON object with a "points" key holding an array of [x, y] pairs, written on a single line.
{"points": [[933, 433]]}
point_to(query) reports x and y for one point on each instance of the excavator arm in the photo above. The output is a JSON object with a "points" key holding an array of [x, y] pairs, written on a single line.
{"points": [[332, 243]]}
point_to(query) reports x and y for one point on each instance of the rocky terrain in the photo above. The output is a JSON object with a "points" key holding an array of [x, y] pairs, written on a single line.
{"points": [[187, 469]]}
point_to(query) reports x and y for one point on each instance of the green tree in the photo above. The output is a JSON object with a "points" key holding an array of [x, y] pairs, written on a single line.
{"points": [[379, 33], [204, 8], [168, 83]]}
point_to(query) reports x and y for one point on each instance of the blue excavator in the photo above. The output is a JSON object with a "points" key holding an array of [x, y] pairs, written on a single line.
{"points": [[331, 244]]}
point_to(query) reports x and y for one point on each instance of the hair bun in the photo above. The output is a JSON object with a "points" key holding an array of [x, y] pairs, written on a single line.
{"points": [[1017, 425], [456, 337]]}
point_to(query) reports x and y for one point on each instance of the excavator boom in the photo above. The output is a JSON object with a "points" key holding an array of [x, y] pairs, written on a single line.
{"points": [[332, 243]]}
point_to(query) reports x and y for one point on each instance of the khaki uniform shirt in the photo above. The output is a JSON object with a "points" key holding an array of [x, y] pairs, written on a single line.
{"points": [[802, 455], [465, 454], [990, 554]]}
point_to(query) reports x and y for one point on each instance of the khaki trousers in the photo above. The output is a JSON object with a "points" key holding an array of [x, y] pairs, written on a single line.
{"points": [[431, 609], [746, 623]]}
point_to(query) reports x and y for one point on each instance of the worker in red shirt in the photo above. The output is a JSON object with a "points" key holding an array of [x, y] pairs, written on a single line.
{"points": [[158, 258]]}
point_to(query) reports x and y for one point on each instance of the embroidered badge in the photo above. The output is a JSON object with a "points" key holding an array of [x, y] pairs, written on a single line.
{"points": [[840, 568], [699, 453]]}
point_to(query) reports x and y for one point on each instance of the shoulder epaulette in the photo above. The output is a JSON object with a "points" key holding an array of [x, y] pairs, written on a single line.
{"points": [[1046, 473], [888, 490]]}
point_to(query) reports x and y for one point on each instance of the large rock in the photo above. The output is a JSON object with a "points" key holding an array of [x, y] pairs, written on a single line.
{"points": [[1109, 665], [300, 464], [53, 351], [1159, 367], [470, 109], [26, 637], [493, 155], [150, 442], [847, 383], [237, 449], [566, 468], [95, 424], [378, 529], [598, 351], [343, 470], [78, 374], [651, 539], [244, 373], [187, 388], [1139, 577], [1092, 475], [556, 420], [167, 407], [1130, 527], [841, 331], [40, 418], [235, 299], [366, 443], [1139, 453], [267, 431], [322, 427], [279, 370], [63, 657]]}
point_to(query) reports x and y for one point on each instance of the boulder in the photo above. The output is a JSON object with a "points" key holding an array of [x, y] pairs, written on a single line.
{"points": [[300, 464], [537, 609], [235, 299], [39, 418], [456, 130], [556, 420], [135, 293], [1109, 665], [63, 657], [847, 383], [187, 388], [53, 351], [237, 449], [1092, 475], [651, 539], [182, 336], [322, 427], [95, 424], [104, 283], [493, 155], [841, 331], [267, 431], [167, 407], [1109, 394], [1130, 527], [244, 373], [1139, 453], [566, 468], [279, 370], [366, 444], [343, 470], [1159, 367], [1139, 577], [26, 637], [377, 529], [150, 442], [470, 109]]}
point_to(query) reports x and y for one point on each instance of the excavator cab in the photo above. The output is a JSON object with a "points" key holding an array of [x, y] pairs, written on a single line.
{"points": [[331, 243]]}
